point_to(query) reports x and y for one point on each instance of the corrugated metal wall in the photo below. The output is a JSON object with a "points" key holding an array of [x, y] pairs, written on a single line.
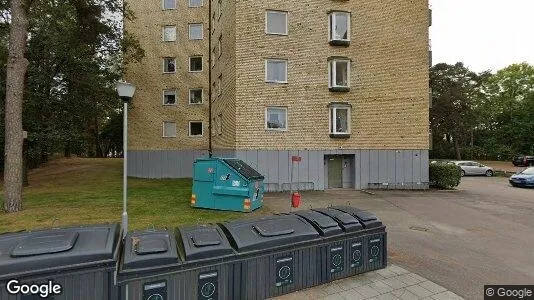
{"points": [[373, 169]]}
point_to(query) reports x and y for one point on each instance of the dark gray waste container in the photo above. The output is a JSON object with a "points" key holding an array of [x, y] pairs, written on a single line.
{"points": [[277, 255], [375, 240], [197, 266], [81, 260]]}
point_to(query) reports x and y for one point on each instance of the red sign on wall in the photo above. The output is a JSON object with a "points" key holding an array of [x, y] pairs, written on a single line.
{"points": [[296, 158]]}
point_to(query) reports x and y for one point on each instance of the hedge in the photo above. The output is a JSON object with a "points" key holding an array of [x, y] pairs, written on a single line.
{"points": [[444, 175]]}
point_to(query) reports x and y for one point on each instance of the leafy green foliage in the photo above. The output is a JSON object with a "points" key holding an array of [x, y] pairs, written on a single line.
{"points": [[77, 51], [482, 116], [444, 175]]}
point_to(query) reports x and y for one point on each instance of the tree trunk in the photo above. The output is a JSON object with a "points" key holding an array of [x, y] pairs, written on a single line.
{"points": [[98, 147], [457, 147], [17, 65]]}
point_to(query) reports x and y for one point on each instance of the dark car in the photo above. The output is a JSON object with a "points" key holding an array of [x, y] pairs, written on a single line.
{"points": [[524, 178], [523, 160]]}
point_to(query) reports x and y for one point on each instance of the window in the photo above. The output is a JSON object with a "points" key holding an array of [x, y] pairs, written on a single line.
{"points": [[169, 97], [169, 129], [219, 45], [195, 129], [169, 4], [195, 64], [219, 86], [219, 8], [195, 3], [196, 31], [276, 70], [169, 65], [276, 22], [195, 96], [339, 31], [340, 120], [339, 74], [276, 118], [169, 33], [219, 124]]}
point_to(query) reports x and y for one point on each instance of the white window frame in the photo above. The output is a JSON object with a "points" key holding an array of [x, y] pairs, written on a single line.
{"points": [[202, 63], [201, 96], [275, 60], [163, 5], [175, 33], [267, 118], [332, 113], [332, 80], [276, 12], [189, 128], [164, 65], [169, 136], [175, 97], [201, 31], [194, 6], [332, 21]]}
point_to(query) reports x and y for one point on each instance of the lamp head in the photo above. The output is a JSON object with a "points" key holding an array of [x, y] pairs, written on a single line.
{"points": [[125, 90]]}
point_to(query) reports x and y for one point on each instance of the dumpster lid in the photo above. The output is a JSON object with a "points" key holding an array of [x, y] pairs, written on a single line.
{"points": [[345, 220], [367, 218], [269, 232], [45, 244], [324, 224], [202, 242], [53, 250], [149, 249], [242, 168]]}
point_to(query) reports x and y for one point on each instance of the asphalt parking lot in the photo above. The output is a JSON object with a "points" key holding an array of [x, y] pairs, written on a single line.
{"points": [[481, 233]]}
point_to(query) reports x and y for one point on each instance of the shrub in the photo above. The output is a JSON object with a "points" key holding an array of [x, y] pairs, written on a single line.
{"points": [[444, 175]]}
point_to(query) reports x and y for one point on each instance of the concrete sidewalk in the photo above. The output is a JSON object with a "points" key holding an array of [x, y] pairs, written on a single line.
{"points": [[393, 282]]}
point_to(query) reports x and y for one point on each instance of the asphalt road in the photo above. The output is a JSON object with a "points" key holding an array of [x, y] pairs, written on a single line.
{"points": [[482, 233]]}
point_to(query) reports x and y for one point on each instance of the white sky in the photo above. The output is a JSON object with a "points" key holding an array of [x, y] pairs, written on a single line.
{"points": [[484, 34]]}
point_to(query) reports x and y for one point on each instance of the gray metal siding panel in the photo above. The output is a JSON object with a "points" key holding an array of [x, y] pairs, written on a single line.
{"points": [[283, 169], [399, 169], [263, 164], [373, 166], [408, 168], [424, 166], [357, 170], [365, 170], [416, 167], [313, 168], [391, 169], [320, 172], [382, 166]]}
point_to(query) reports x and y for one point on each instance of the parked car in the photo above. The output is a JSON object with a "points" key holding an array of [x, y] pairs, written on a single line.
{"points": [[474, 168], [523, 160], [524, 178]]}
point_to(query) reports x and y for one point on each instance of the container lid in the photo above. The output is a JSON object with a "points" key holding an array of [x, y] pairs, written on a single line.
{"points": [[323, 223], [52, 250], [203, 242], [45, 244], [149, 250], [367, 218], [347, 222], [269, 232], [242, 168]]}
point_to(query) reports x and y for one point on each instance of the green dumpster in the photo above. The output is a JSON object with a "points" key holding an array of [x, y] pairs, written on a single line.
{"points": [[226, 184]]}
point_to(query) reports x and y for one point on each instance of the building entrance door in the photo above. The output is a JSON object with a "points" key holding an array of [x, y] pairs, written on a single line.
{"points": [[335, 172]]}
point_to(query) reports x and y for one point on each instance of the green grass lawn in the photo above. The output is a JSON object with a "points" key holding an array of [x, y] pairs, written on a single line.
{"points": [[81, 191]]}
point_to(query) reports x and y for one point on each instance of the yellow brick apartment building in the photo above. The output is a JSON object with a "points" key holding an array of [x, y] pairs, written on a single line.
{"points": [[342, 84]]}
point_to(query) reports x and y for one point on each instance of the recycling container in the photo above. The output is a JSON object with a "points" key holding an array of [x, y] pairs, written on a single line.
{"points": [[193, 264], [375, 240], [276, 255], [66, 263], [226, 184], [362, 247]]}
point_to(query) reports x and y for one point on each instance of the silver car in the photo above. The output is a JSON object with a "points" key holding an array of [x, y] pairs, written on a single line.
{"points": [[474, 168]]}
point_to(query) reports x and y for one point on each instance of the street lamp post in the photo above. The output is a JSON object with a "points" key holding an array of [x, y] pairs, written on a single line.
{"points": [[126, 92]]}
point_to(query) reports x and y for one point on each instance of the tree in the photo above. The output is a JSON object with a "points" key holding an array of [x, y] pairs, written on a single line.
{"points": [[455, 93], [17, 65]]}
